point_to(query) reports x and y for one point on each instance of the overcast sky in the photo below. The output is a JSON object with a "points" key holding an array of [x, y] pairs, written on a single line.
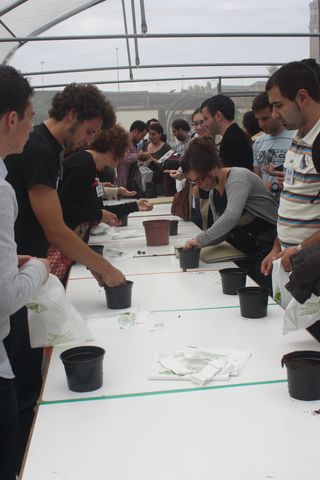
{"points": [[172, 16]]}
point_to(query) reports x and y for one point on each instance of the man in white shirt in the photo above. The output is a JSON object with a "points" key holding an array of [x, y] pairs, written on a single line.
{"points": [[21, 275], [294, 93]]}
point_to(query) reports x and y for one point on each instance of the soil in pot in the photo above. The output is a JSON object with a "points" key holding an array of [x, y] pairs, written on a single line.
{"points": [[303, 370]]}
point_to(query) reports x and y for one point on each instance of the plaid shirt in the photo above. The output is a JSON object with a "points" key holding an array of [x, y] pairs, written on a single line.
{"points": [[181, 147], [123, 170]]}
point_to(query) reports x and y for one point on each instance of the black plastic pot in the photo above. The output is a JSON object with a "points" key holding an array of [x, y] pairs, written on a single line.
{"points": [[173, 227], [119, 297], [97, 249], [253, 301], [84, 367], [232, 279], [123, 220], [303, 370], [189, 258], [314, 330]]}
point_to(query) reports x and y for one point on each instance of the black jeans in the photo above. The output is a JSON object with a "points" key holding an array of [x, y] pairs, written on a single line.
{"points": [[8, 429], [26, 364]]}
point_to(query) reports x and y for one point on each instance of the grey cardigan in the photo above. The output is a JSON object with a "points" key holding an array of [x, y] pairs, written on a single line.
{"points": [[245, 191], [16, 285]]}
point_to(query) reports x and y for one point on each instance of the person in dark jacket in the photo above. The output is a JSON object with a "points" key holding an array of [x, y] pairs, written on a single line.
{"points": [[235, 147]]}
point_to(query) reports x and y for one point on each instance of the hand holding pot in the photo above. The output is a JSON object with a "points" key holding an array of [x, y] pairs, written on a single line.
{"points": [[191, 244]]}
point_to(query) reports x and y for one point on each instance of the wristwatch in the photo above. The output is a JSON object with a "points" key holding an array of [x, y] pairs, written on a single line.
{"points": [[275, 187]]}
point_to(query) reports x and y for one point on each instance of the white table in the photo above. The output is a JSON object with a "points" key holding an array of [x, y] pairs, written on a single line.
{"points": [[245, 433], [245, 429], [130, 352]]}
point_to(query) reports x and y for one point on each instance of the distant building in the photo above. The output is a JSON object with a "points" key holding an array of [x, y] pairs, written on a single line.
{"points": [[314, 28], [143, 105]]}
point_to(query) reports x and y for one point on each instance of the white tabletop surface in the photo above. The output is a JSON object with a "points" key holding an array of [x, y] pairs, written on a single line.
{"points": [[130, 352], [248, 428], [245, 433], [175, 290]]}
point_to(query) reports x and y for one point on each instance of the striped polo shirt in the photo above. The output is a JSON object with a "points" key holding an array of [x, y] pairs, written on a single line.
{"points": [[299, 209]]}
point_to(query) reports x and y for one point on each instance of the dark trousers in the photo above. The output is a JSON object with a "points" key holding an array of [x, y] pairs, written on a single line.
{"points": [[26, 364], [8, 429]]}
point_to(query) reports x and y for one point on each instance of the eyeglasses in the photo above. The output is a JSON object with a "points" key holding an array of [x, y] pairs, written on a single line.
{"points": [[198, 180], [197, 124]]}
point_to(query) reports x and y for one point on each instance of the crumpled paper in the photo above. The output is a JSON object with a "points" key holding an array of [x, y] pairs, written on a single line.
{"points": [[199, 365]]}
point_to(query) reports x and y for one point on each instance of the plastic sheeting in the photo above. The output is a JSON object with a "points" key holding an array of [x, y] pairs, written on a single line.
{"points": [[22, 18]]}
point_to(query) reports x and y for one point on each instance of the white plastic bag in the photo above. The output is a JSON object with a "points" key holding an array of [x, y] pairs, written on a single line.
{"points": [[300, 316], [146, 176], [53, 320], [279, 279]]}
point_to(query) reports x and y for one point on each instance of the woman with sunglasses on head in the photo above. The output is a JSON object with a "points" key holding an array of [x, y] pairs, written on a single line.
{"points": [[244, 212]]}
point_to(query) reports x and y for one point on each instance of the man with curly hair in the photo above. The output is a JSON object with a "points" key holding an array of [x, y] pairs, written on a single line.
{"points": [[76, 114]]}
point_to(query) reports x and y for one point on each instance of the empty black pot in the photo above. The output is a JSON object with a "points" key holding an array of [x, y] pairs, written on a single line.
{"points": [[84, 367], [189, 258], [253, 301], [123, 220], [120, 296], [303, 369], [232, 279], [173, 227], [97, 249]]}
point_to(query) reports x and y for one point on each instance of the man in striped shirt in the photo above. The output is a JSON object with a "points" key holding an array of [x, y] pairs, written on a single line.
{"points": [[294, 92]]}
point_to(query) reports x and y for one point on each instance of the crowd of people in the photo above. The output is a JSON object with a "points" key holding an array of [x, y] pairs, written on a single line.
{"points": [[258, 189]]}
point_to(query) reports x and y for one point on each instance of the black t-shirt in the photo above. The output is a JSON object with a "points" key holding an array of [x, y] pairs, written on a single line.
{"points": [[235, 148], [77, 190], [38, 164], [78, 195]]}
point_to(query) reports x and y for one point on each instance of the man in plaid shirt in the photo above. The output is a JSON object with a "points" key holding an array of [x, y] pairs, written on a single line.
{"points": [[138, 131]]}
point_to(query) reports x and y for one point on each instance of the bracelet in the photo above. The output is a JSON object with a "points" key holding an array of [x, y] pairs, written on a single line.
{"points": [[299, 247]]}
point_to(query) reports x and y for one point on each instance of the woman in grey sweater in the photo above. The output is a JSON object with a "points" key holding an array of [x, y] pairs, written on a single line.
{"points": [[244, 212]]}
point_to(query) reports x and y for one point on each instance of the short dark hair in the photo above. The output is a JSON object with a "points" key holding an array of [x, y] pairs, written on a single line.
{"points": [[292, 77], [260, 102], [156, 127], [86, 100], [180, 123], [250, 123], [15, 91], [201, 156], [138, 125], [115, 140], [312, 63], [220, 103], [150, 121]]}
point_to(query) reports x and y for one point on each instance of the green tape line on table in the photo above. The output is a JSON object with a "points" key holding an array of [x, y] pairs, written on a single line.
{"points": [[161, 392], [201, 308]]}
